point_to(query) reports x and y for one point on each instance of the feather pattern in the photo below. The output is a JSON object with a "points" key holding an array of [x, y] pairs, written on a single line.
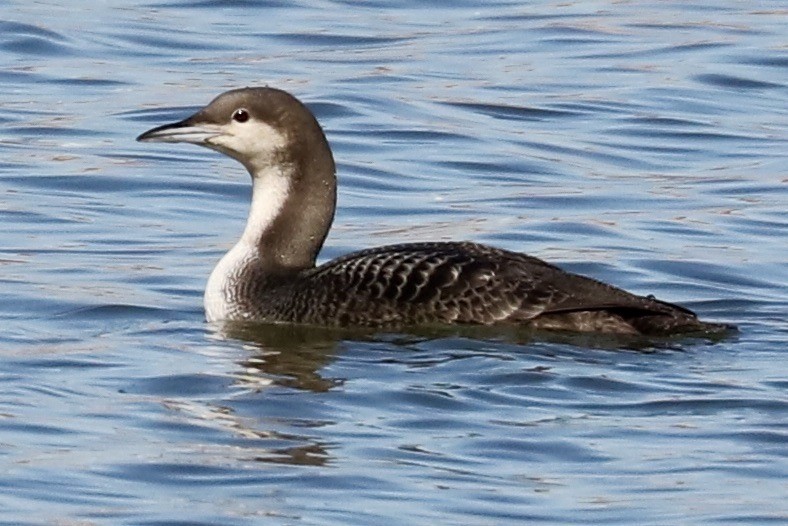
{"points": [[423, 283]]}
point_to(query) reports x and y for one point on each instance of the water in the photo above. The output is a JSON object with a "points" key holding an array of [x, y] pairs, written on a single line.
{"points": [[642, 143]]}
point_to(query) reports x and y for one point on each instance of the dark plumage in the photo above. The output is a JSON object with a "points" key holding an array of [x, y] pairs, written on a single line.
{"points": [[270, 275]]}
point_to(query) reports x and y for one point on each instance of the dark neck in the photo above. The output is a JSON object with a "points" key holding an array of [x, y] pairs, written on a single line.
{"points": [[293, 208]]}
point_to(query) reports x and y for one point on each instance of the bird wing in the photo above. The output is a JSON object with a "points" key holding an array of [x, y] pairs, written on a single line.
{"points": [[462, 283], [421, 282]]}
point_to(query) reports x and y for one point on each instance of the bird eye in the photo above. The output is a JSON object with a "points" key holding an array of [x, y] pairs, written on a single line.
{"points": [[241, 115]]}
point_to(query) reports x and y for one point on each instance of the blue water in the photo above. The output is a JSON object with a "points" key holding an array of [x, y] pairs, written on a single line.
{"points": [[642, 143]]}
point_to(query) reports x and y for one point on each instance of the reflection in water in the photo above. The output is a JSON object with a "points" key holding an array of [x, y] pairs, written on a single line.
{"points": [[258, 445], [295, 360], [286, 355], [293, 354]]}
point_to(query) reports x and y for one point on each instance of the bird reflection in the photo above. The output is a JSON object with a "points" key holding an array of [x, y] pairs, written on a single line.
{"points": [[297, 358], [273, 356], [294, 356], [288, 355], [266, 446]]}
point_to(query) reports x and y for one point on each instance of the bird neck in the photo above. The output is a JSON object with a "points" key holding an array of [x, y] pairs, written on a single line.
{"points": [[291, 213]]}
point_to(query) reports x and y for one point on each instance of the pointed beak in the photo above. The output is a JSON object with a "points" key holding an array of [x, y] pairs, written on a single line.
{"points": [[183, 131]]}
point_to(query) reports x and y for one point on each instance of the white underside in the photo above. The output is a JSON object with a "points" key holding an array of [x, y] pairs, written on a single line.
{"points": [[269, 193]]}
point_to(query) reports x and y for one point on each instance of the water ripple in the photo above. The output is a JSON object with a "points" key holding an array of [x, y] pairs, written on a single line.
{"points": [[639, 143]]}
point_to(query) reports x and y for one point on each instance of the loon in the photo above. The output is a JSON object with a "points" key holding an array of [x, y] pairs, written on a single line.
{"points": [[270, 275]]}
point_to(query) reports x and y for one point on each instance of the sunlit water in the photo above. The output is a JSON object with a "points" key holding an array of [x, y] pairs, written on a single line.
{"points": [[641, 143]]}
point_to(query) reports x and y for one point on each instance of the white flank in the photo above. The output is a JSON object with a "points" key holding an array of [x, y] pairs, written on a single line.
{"points": [[270, 188]]}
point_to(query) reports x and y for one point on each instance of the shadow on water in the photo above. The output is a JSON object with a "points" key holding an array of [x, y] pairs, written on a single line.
{"points": [[289, 355], [293, 355], [284, 366]]}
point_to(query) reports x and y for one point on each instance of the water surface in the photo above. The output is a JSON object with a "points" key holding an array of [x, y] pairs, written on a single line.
{"points": [[642, 143]]}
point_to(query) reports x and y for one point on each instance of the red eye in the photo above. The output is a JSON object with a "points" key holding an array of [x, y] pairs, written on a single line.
{"points": [[241, 115]]}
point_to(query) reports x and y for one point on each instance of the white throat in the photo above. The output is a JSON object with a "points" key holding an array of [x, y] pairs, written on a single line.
{"points": [[270, 189]]}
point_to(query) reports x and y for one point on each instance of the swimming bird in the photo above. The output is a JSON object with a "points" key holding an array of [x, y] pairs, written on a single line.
{"points": [[270, 275]]}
